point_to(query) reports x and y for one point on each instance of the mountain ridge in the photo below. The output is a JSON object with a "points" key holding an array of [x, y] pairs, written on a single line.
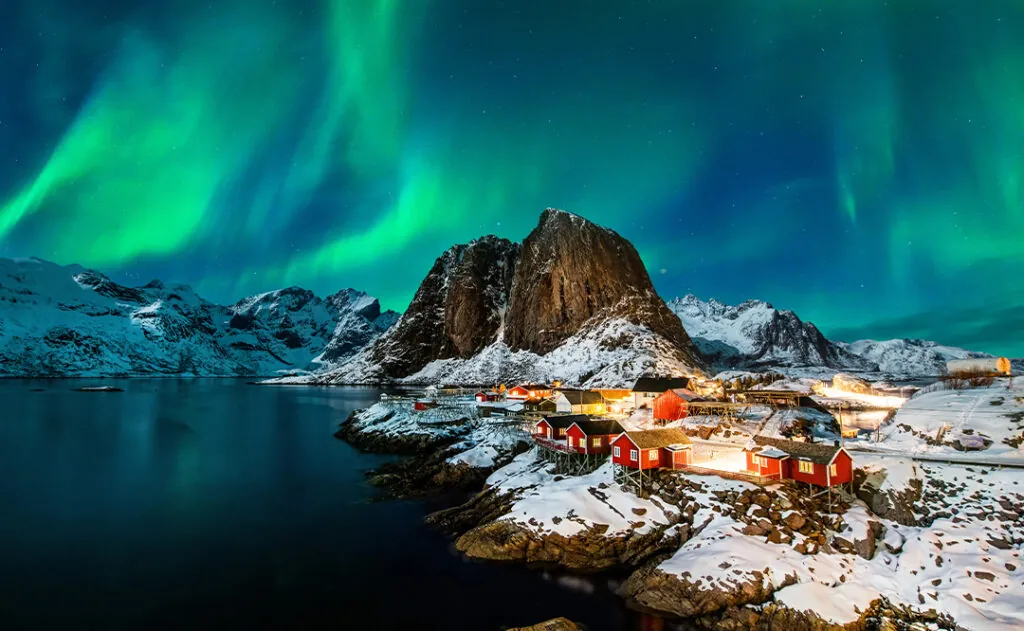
{"points": [[69, 321]]}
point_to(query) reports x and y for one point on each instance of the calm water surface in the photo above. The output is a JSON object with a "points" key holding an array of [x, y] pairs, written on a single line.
{"points": [[213, 504]]}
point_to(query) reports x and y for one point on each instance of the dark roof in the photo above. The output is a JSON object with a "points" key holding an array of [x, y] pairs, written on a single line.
{"points": [[532, 386], [560, 422], [655, 438], [582, 397], [597, 428], [815, 452], [659, 384], [536, 404]]}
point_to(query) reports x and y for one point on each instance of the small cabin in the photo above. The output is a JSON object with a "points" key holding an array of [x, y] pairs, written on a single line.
{"points": [[485, 397], [671, 405], [652, 449], [578, 402], [423, 404], [592, 437], [647, 389], [539, 407], [813, 463], [526, 391], [555, 427]]}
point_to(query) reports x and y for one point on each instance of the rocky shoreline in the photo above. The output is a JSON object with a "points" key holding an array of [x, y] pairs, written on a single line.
{"points": [[507, 520]]}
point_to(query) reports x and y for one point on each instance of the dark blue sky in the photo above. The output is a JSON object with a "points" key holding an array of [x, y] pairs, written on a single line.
{"points": [[859, 163]]}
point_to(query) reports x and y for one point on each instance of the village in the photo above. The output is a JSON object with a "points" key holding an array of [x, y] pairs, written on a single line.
{"points": [[683, 424], [769, 488]]}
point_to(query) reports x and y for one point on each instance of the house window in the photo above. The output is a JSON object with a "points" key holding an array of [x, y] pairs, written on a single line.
{"points": [[652, 454], [595, 442], [572, 441], [806, 466], [633, 454], [833, 470], [758, 461], [561, 431], [616, 450]]}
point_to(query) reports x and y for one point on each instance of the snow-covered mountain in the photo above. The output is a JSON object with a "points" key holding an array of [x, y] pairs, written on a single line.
{"points": [[69, 321], [909, 357], [756, 335], [573, 302]]}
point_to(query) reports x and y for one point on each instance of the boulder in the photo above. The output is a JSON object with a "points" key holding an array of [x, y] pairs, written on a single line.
{"points": [[651, 588], [587, 551]]}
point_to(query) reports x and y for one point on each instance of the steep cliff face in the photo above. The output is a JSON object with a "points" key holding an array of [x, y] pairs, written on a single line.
{"points": [[573, 303], [456, 312], [573, 270]]}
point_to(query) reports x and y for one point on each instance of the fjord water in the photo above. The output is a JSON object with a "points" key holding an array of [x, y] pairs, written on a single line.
{"points": [[215, 504]]}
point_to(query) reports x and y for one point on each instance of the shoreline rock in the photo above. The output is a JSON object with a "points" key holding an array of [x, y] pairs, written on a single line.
{"points": [[588, 552]]}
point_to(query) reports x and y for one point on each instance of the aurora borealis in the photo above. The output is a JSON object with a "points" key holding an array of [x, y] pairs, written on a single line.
{"points": [[861, 163]]}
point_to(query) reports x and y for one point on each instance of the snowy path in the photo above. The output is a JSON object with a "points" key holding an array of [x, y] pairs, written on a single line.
{"points": [[968, 460]]}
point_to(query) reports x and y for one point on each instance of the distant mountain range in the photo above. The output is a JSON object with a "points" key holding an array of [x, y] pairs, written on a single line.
{"points": [[69, 321], [573, 302], [754, 335]]}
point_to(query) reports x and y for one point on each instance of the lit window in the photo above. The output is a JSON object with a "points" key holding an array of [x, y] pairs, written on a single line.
{"points": [[833, 470], [595, 442], [632, 454], [561, 431], [806, 466], [571, 441], [616, 450], [652, 454]]}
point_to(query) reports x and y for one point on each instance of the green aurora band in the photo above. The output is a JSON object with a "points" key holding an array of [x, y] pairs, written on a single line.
{"points": [[860, 163]]}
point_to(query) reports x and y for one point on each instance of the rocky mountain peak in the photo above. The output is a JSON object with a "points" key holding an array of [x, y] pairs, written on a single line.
{"points": [[457, 310], [572, 270]]}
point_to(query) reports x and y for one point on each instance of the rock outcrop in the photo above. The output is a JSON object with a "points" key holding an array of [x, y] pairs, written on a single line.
{"points": [[687, 598], [573, 303], [589, 551], [555, 624], [456, 311], [572, 270]]}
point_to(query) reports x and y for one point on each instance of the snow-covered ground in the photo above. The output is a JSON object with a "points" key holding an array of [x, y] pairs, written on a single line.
{"points": [[588, 359], [960, 564], [989, 421], [569, 505]]}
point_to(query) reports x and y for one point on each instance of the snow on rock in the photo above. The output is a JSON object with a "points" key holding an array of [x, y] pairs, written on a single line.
{"points": [[986, 420], [68, 321], [573, 504], [755, 334], [909, 358], [586, 359]]}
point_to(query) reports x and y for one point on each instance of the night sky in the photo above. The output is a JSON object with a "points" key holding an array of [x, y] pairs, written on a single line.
{"points": [[861, 163]]}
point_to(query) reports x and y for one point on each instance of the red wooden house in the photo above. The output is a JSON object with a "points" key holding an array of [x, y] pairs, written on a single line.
{"points": [[424, 404], [813, 463], [556, 427], [486, 397], [592, 437], [528, 391], [652, 449], [671, 405]]}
